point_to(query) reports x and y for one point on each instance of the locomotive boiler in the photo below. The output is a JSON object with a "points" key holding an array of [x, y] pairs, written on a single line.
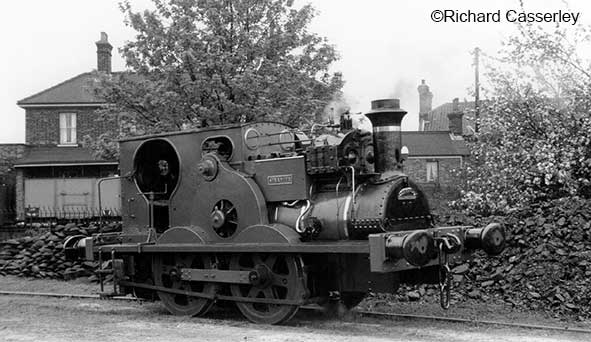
{"points": [[264, 216]]}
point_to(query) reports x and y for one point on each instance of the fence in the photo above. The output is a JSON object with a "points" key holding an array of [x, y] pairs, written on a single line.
{"points": [[11, 232], [46, 218], [61, 215]]}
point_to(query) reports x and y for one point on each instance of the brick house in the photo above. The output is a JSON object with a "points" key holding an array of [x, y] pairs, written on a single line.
{"points": [[432, 158], [54, 172], [455, 116], [436, 150]]}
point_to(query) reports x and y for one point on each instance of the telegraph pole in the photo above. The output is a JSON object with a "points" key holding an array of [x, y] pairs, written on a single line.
{"points": [[476, 90]]}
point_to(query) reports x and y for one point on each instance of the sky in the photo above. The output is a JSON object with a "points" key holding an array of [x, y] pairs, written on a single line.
{"points": [[386, 47]]}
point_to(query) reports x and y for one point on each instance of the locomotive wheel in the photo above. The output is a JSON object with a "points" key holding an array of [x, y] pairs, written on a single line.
{"points": [[167, 273], [274, 276]]}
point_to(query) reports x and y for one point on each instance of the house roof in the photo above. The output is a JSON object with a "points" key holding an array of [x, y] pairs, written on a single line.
{"points": [[461, 147], [59, 156], [433, 143], [437, 119], [76, 90]]}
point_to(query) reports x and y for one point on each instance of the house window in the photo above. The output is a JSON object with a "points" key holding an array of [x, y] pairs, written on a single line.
{"points": [[432, 171], [67, 128]]}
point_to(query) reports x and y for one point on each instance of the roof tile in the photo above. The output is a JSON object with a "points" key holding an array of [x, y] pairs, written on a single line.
{"points": [[76, 90], [437, 119], [433, 143]]}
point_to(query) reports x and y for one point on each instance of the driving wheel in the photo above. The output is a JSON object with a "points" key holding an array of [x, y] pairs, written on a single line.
{"points": [[167, 273], [272, 277]]}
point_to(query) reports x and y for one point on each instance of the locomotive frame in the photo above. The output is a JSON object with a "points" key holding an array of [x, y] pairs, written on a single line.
{"points": [[262, 216]]}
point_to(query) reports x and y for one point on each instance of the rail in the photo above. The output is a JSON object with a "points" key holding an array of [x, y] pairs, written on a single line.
{"points": [[363, 313]]}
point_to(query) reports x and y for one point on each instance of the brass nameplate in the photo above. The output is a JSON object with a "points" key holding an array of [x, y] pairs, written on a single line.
{"points": [[280, 179]]}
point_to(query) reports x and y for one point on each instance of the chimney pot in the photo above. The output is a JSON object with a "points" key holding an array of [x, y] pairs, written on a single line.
{"points": [[103, 54], [455, 106], [425, 104], [455, 118]]}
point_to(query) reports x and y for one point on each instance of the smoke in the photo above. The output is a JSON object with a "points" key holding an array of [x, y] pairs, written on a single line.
{"points": [[333, 110], [404, 90]]}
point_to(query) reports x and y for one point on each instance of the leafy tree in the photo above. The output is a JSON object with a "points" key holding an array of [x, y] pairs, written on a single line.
{"points": [[535, 138], [196, 62]]}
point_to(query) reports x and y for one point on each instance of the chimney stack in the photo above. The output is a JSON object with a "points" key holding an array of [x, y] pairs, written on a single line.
{"points": [[386, 117], [103, 54], [455, 119], [425, 104]]}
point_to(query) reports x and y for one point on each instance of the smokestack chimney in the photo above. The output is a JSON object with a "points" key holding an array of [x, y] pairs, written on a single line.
{"points": [[103, 54], [455, 118], [386, 117], [425, 104]]}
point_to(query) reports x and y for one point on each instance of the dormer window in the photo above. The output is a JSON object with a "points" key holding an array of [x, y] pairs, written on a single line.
{"points": [[67, 128]]}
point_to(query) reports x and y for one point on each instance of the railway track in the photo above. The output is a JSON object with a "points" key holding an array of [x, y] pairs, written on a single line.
{"points": [[363, 313]]}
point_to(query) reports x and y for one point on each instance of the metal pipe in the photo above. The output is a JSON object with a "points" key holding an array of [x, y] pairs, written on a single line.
{"points": [[352, 191], [337, 198], [100, 267], [302, 214], [287, 142], [291, 205], [100, 181], [283, 132], [113, 270], [313, 126]]}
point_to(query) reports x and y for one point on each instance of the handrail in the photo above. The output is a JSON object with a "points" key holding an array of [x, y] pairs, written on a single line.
{"points": [[100, 206]]}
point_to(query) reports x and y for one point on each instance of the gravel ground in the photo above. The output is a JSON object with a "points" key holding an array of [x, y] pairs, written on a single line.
{"points": [[467, 308], [51, 319]]}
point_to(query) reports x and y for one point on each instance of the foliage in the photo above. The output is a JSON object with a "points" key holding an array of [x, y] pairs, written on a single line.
{"points": [[196, 62], [535, 138]]}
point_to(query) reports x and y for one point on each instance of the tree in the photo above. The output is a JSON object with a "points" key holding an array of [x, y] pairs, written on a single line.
{"points": [[196, 62], [535, 141]]}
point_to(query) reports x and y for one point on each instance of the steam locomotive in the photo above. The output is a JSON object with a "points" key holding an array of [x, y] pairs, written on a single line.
{"points": [[261, 215]]}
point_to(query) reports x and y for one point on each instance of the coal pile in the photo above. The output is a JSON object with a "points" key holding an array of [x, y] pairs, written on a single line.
{"points": [[547, 262], [42, 256]]}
